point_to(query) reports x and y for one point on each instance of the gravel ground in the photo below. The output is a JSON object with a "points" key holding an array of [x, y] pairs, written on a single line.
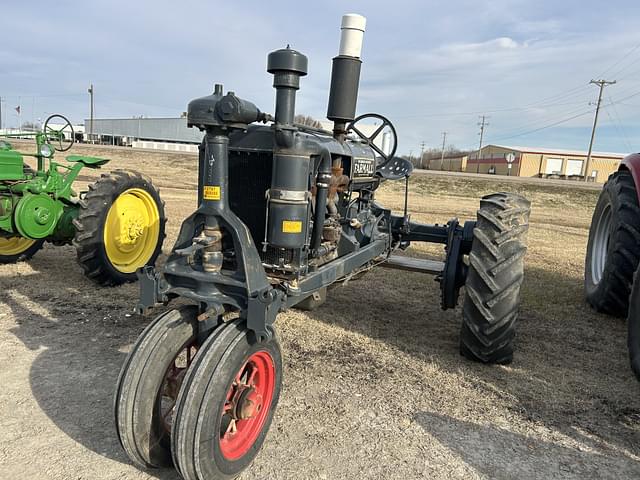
{"points": [[374, 386]]}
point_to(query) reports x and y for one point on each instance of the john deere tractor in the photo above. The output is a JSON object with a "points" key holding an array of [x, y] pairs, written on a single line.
{"points": [[116, 226]]}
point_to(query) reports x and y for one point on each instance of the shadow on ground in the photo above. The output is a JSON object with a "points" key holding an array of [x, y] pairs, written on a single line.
{"points": [[500, 454], [74, 377]]}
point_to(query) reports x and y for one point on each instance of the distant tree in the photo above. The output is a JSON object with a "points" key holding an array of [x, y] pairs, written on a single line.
{"points": [[436, 153], [307, 120]]}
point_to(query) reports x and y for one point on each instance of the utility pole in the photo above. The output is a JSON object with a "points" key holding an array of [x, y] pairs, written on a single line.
{"points": [[91, 117], [601, 84], [482, 124], [421, 153], [0, 113], [444, 139]]}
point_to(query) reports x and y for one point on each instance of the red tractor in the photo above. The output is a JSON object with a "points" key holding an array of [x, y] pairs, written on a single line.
{"points": [[613, 252]]}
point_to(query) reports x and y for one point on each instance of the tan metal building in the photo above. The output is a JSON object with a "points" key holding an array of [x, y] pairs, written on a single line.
{"points": [[450, 163], [543, 162]]}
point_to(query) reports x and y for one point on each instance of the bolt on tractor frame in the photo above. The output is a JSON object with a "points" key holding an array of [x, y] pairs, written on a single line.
{"points": [[116, 226], [284, 212]]}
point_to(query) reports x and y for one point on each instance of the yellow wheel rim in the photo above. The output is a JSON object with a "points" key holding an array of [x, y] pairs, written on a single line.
{"points": [[131, 230], [15, 245]]}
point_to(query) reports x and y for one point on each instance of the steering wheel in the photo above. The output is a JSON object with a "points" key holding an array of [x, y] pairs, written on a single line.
{"points": [[59, 135], [369, 139]]}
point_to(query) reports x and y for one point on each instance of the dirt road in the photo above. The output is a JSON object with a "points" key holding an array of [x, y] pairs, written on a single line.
{"points": [[374, 386]]}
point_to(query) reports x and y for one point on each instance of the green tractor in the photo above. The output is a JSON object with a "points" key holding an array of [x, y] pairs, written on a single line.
{"points": [[117, 226]]}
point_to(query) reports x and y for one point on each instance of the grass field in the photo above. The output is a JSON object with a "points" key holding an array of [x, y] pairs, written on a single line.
{"points": [[374, 386]]}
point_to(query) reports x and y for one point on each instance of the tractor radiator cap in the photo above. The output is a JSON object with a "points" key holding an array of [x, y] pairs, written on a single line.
{"points": [[287, 60]]}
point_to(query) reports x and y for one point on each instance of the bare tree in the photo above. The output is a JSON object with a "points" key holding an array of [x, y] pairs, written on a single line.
{"points": [[307, 120]]}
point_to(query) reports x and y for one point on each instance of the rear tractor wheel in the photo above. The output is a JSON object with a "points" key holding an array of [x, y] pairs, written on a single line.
{"points": [[613, 251], [633, 325], [120, 227], [496, 271]]}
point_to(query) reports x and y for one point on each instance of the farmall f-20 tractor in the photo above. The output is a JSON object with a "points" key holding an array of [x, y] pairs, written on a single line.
{"points": [[117, 226], [612, 274], [285, 212]]}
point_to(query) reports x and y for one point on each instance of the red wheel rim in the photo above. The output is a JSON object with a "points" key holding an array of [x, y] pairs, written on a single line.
{"points": [[247, 405], [173, 381]]}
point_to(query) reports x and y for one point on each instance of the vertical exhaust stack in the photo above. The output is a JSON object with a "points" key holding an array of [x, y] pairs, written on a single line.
{"points": [[345, 74]]}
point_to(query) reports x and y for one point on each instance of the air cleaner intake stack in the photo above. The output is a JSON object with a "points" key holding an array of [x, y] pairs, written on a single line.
{"points": [[345, 73]]}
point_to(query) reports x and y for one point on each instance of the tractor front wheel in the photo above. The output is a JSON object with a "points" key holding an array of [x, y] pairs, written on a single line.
{"points": [[226, 404], [18, 249], [496, 271], [149, 383], [119, 228]]}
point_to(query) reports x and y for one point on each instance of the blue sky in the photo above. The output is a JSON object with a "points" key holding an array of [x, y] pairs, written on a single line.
{"points": [[429, 66]]}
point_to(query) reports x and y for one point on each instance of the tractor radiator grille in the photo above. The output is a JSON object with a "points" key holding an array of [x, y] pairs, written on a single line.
{"points": [[249, 180], [277, 256]]}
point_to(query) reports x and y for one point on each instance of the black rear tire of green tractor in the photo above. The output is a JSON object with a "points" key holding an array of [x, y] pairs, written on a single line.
{"points": [[613, 251], [633, 326], [496, 271], [138, 400], [91, 247]]}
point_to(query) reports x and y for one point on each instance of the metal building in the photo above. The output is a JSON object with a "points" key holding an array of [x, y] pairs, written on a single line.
{"points": [[543, 162], [126, 131]]}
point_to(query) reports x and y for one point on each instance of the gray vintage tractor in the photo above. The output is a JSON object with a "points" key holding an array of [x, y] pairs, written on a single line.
{"points": [[284, 212], [613, 253]]}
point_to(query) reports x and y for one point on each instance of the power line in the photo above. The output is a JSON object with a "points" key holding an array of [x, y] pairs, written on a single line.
{"points": [[600, 83], [559, 122], [633, 49], [619, 122]]}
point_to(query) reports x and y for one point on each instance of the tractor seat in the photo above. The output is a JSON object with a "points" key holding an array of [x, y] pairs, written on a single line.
{"points": [[88, 161], [395, 169]]}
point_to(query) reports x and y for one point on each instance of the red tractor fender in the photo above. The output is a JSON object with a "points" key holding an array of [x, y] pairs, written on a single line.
{"points": [[631, 163]]}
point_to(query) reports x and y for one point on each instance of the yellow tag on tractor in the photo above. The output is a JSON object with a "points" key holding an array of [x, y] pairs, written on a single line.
{"points": [[116, 226]]}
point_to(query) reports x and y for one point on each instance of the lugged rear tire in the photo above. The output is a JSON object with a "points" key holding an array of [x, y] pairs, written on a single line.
{"points": [[93, 237], [613, 251], [633, 325], [496, 271]]}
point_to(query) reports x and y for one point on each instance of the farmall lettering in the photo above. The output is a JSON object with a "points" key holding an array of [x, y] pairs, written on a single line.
{"points": [[363, 167]]}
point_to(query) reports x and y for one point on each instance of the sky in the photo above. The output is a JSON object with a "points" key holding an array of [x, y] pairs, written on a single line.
{"points": [[430, 67]]}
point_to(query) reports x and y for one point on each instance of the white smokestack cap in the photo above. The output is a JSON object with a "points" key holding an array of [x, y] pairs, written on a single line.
{"points": [[352, 33]]}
